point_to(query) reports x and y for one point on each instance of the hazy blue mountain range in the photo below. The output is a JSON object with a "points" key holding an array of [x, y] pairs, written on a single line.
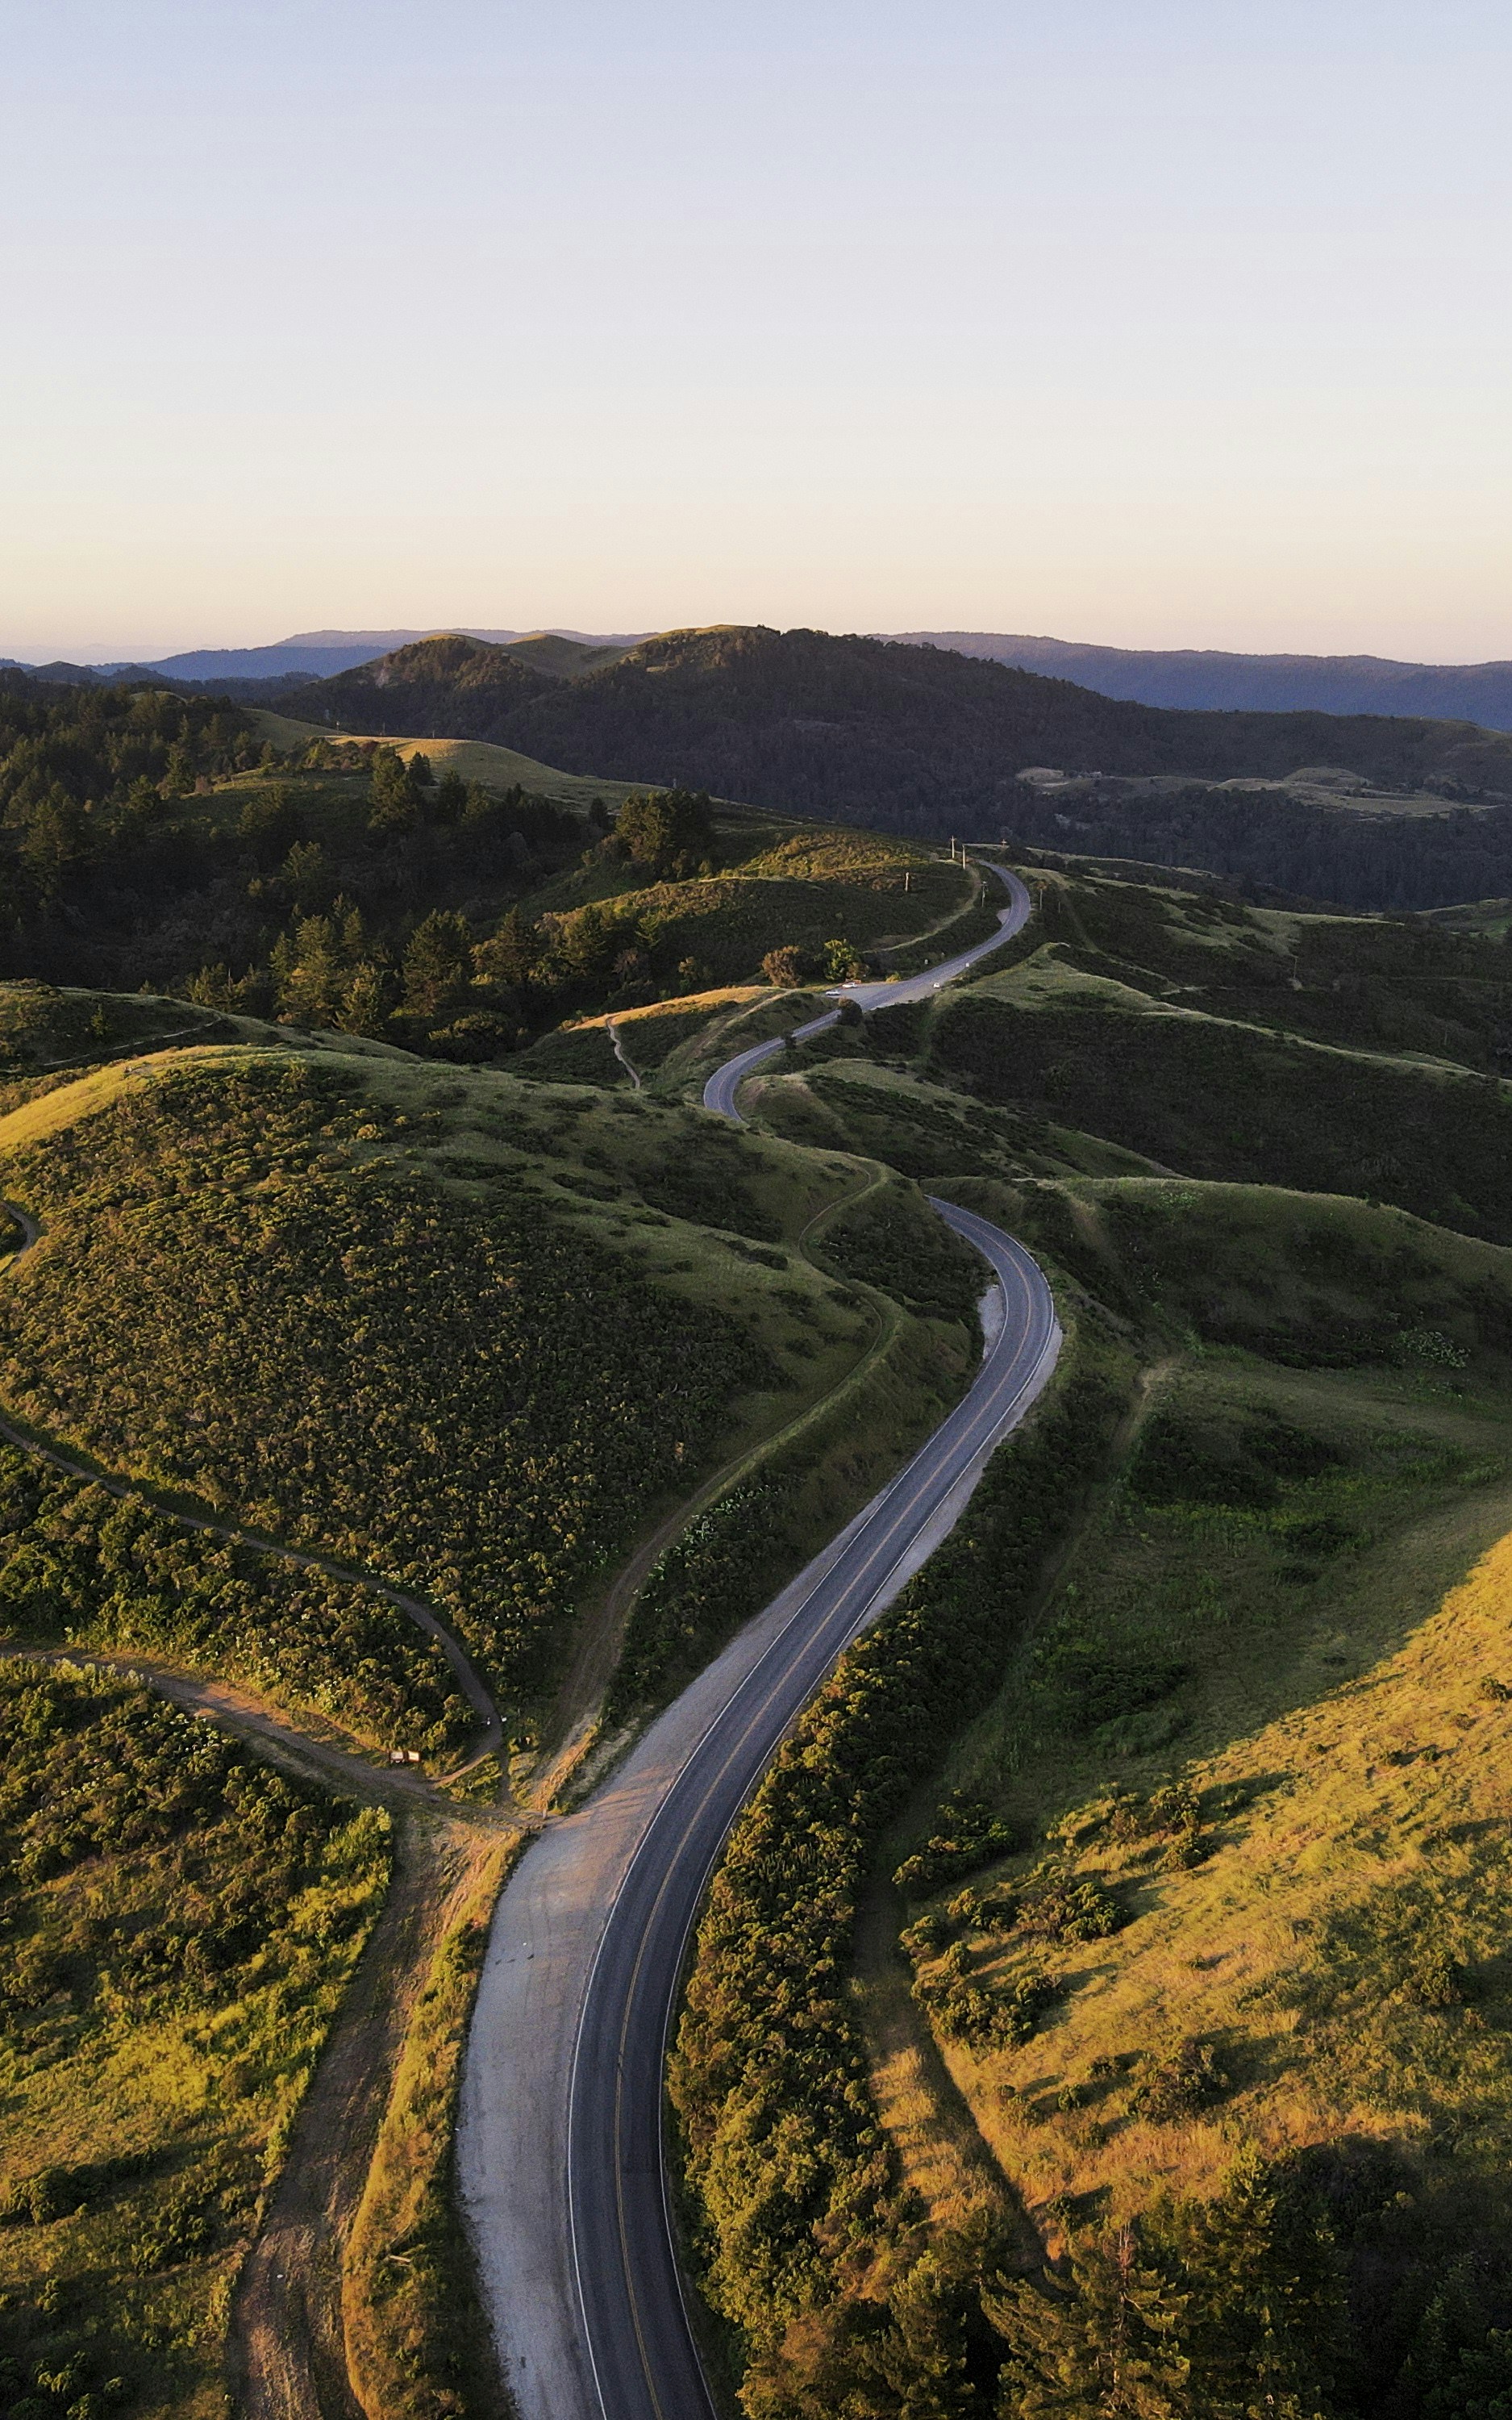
{"points": [[1203, 678], [1193, 678], [309, 654]]}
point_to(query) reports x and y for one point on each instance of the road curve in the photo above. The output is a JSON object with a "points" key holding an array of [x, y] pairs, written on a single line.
{"points": [[725, 1082], [642, 2354], [560, 2154], [558, 2149]]}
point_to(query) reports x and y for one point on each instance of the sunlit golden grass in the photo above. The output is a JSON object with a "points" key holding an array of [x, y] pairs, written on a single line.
{"points": [[1351, 1751], [476, 760], [180, 1925]]}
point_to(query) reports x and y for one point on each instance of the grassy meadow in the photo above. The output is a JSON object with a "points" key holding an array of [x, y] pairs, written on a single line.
{"points": [[473, 760]]}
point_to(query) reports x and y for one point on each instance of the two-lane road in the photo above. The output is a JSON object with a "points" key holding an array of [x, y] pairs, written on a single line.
{"points": [[725, 1082], [641, 2352], [559, 2149]]}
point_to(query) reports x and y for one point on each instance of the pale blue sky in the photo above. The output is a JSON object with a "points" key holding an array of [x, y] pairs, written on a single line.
{"points": [[1148, 321]]}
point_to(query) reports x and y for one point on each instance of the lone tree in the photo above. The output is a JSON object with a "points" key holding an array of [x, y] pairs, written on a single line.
{"points": [[788, 967]]}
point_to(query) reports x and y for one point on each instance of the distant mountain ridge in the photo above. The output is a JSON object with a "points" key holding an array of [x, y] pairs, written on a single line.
{"points": [[872, 731], [1191, 679], [309, 655], [1210, 679]]}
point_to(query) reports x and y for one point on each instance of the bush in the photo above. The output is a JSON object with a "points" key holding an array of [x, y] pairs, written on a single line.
{"points": [[967, 1835], [789, 967], [1189, 2079]]}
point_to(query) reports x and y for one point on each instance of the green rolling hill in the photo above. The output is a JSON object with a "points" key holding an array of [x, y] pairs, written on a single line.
{"points": [[1158, 1832]]}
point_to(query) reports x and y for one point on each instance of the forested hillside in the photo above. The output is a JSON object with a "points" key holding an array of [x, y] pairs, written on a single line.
{"points": [[365, 890], [912, 738], [1268, 840]]}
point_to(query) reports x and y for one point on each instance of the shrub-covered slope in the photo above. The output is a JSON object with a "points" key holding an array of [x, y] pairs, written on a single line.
{"points": [[461, 1333], [1236, 1989], [1220, 1099], [1202, 1916], [1373, 982], [1345, 1055]]}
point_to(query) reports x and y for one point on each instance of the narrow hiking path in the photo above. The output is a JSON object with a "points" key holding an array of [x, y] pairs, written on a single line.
{"points": [[288, 2345], [611, 1028], [77, 1466], [942, 924], [313, 1747]]}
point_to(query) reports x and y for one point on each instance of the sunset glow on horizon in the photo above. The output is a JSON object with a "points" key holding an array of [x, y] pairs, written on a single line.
{"points": [[1183, 327]]}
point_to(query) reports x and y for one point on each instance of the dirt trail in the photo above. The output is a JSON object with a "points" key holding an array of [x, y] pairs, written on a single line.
{"points": [[323, 1755], [621, 1054], [942, 924], [288, 2354]]}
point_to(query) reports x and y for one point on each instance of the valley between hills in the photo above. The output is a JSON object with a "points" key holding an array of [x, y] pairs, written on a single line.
{"points": [[422, 1416]]}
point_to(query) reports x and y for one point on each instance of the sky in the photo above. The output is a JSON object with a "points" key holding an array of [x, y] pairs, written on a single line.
{"points": [[1178, 324]]}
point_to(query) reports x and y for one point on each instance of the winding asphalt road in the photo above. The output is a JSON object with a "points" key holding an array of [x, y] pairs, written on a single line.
{"points": [[720, 1089], [560, 2153], [641, 2352]]}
